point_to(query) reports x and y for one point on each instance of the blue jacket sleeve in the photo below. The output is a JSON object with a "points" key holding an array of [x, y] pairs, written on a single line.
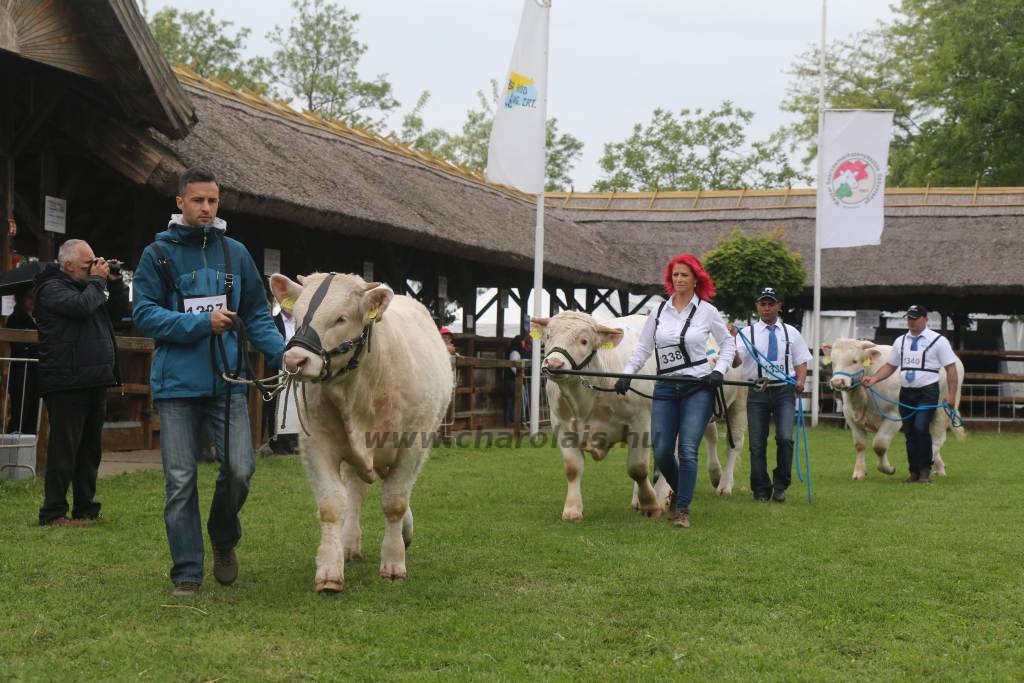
{"points": [[150, 313], [255, 312]]}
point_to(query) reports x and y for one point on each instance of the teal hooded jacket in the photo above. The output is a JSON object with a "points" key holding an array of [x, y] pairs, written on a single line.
{"points": [[183, 366]]}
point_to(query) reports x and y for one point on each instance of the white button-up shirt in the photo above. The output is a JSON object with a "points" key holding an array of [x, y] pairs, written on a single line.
{"points": [[707, 321], [797, 351], [939, 356]]}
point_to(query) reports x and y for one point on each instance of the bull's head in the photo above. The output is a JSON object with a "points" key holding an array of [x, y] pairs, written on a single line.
{"points": [[334, 315], [572, 339], [851, 359]]}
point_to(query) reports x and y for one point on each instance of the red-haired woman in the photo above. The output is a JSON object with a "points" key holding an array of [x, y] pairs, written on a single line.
{"points": [[678, 332]]}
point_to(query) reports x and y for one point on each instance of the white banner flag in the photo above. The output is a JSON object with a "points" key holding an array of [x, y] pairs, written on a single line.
{"points": [[515, 155], [851, 193]]}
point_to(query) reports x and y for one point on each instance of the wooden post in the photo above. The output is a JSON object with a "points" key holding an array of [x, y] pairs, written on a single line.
{"points": [[6, 210]]}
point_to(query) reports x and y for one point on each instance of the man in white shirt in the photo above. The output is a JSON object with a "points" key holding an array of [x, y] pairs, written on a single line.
{"points": [[920, 355], [774, 355]]}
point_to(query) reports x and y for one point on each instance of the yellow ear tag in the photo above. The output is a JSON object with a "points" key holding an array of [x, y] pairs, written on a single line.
{"points": [[535, 333], [606, 345], [827, 360], [867, 362], [373, 315], [288, 303]]}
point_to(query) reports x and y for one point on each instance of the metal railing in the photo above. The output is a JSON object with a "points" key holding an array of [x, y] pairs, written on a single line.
{"points": [[19, 411]]}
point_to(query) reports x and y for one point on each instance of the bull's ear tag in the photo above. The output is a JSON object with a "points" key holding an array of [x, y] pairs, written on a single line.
{"points": [[288, 303], [373, 315], [535, 333], [606, 345], [827, 360], [867, 362]]}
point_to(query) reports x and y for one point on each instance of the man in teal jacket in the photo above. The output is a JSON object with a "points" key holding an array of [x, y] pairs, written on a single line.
{"points": [[190, 284]]}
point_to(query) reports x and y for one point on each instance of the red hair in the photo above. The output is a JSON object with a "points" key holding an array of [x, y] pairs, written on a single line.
{"points": [[704, 288]]}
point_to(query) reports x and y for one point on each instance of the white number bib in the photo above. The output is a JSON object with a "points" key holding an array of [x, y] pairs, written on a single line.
{"points": [[670, 358], [913, 360], [204, 305], [776, 369]]}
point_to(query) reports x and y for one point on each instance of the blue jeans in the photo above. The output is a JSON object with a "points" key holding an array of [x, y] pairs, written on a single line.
{"points": [[780, 403], [180, 421], [681, 411], [917, 425]]}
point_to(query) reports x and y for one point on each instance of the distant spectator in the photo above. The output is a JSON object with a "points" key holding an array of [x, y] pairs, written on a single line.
{"points": [[24, 394]]}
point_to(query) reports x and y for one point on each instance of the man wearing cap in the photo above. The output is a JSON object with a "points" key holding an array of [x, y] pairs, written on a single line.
{"points": [[449, 340], [919, 355], [774, 355]]}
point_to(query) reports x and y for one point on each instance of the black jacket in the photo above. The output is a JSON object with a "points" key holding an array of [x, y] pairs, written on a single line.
{"points": [[76, 339]]}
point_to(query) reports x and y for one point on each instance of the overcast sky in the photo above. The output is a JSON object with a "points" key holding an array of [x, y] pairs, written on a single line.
{"points": [[611, 63]]}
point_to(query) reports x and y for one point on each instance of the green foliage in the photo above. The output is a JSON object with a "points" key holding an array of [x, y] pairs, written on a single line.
{"points": [[318, 60], [741, 266], [695, 150], [874, 581], [201, 42], [951, 70], [468, 148]]}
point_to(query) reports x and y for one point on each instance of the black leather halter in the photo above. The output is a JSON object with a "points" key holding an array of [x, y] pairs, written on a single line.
{"points": [[307, 338], [572, 361]]}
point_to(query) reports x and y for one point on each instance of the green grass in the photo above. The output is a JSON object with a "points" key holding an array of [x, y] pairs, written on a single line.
{"points": [[874, 581]]}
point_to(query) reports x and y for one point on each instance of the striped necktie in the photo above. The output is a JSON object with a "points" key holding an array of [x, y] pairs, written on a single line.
{"points": [[911, 374], [773, 344]]}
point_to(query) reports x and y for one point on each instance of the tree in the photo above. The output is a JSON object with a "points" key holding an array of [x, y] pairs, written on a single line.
{"points": [[318, 59], [694, 150], [954, 74], [205, 45], [741, 265], [468, 148]]}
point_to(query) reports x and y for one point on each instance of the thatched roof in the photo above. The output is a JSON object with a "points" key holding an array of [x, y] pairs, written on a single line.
{"points": [[273, 161], [108, 42], [956, 247], [951, 248]]}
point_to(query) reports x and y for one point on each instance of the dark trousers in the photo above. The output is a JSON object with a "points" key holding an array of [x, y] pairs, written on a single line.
{"points": [[762, 406], [917, 425], [73, 452]]}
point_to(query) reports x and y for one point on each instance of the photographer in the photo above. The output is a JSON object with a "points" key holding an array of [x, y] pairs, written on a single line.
{"points": [[77, 362]]}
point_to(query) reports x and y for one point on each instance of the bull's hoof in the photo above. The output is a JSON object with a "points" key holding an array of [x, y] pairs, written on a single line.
{"points": [[572, 516], [329, 587], [889, 470], [724, 490], [859, 476], [353, 555], [392, 571], [654, 512]]}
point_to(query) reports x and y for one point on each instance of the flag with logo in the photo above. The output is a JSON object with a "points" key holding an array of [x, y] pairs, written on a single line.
{"points": [[515, 155], [851, 192]]}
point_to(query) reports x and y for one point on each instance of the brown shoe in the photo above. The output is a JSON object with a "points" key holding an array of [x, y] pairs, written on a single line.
{"points": [[225, 566], [682, 521], [925, 476], [913, 478], [185, 589], [64, 521]]}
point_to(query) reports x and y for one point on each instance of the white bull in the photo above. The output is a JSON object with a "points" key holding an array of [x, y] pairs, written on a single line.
{"points": [[592, 420], [851, 359], [736, 424], [374, 419]]}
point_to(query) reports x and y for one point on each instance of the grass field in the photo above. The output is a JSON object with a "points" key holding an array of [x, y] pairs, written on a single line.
{"points": [[874, 581]]}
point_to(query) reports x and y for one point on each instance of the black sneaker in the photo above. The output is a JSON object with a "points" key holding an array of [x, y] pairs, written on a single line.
{"points": [[225, 566], [779, 496], [185, 589]]}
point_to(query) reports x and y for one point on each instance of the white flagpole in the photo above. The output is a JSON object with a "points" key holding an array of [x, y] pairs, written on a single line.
{"points": [[538, 264], [816, 327]]}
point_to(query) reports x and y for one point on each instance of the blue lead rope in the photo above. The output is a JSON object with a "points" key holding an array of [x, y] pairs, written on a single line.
{"points": [[955, 419], [801, 423]]}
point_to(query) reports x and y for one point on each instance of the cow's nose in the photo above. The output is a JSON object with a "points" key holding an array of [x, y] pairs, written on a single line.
{"points": [[554, 363], [836, 382], [294, 362]]}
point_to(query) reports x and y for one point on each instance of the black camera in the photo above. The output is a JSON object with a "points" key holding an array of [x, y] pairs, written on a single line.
{"points": [[114, 265]]}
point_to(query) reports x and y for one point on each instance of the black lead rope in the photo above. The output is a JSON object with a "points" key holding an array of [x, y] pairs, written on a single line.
{"points": [[720, 408]]}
